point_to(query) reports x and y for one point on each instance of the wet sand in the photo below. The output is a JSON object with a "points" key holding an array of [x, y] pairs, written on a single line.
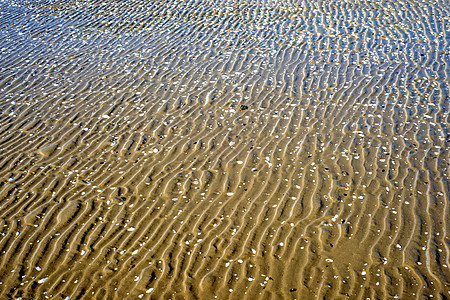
{"points": [[224, 149]]}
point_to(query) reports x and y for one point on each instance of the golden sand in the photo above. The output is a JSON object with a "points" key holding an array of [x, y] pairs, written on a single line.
{"points": [[224, 149]]}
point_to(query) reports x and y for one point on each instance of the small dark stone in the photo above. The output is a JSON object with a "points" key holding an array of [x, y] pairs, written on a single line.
{"points": [[244, 107], [292, 290]]}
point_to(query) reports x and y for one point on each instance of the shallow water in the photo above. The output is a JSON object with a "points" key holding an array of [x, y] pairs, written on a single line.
{"points": [[229, 149]]}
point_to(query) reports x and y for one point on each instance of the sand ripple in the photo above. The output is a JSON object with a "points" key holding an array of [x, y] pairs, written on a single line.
{"points": [[238, 149]]}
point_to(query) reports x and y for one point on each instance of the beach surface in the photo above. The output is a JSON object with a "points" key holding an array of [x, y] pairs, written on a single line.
{"points": [[224, 149]]}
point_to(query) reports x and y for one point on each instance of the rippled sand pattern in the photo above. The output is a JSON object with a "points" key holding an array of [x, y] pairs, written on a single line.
{"points": [[237, 149]]}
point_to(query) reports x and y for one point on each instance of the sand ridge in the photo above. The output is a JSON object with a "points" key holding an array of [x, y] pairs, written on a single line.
{"points": [[229, 149]]}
